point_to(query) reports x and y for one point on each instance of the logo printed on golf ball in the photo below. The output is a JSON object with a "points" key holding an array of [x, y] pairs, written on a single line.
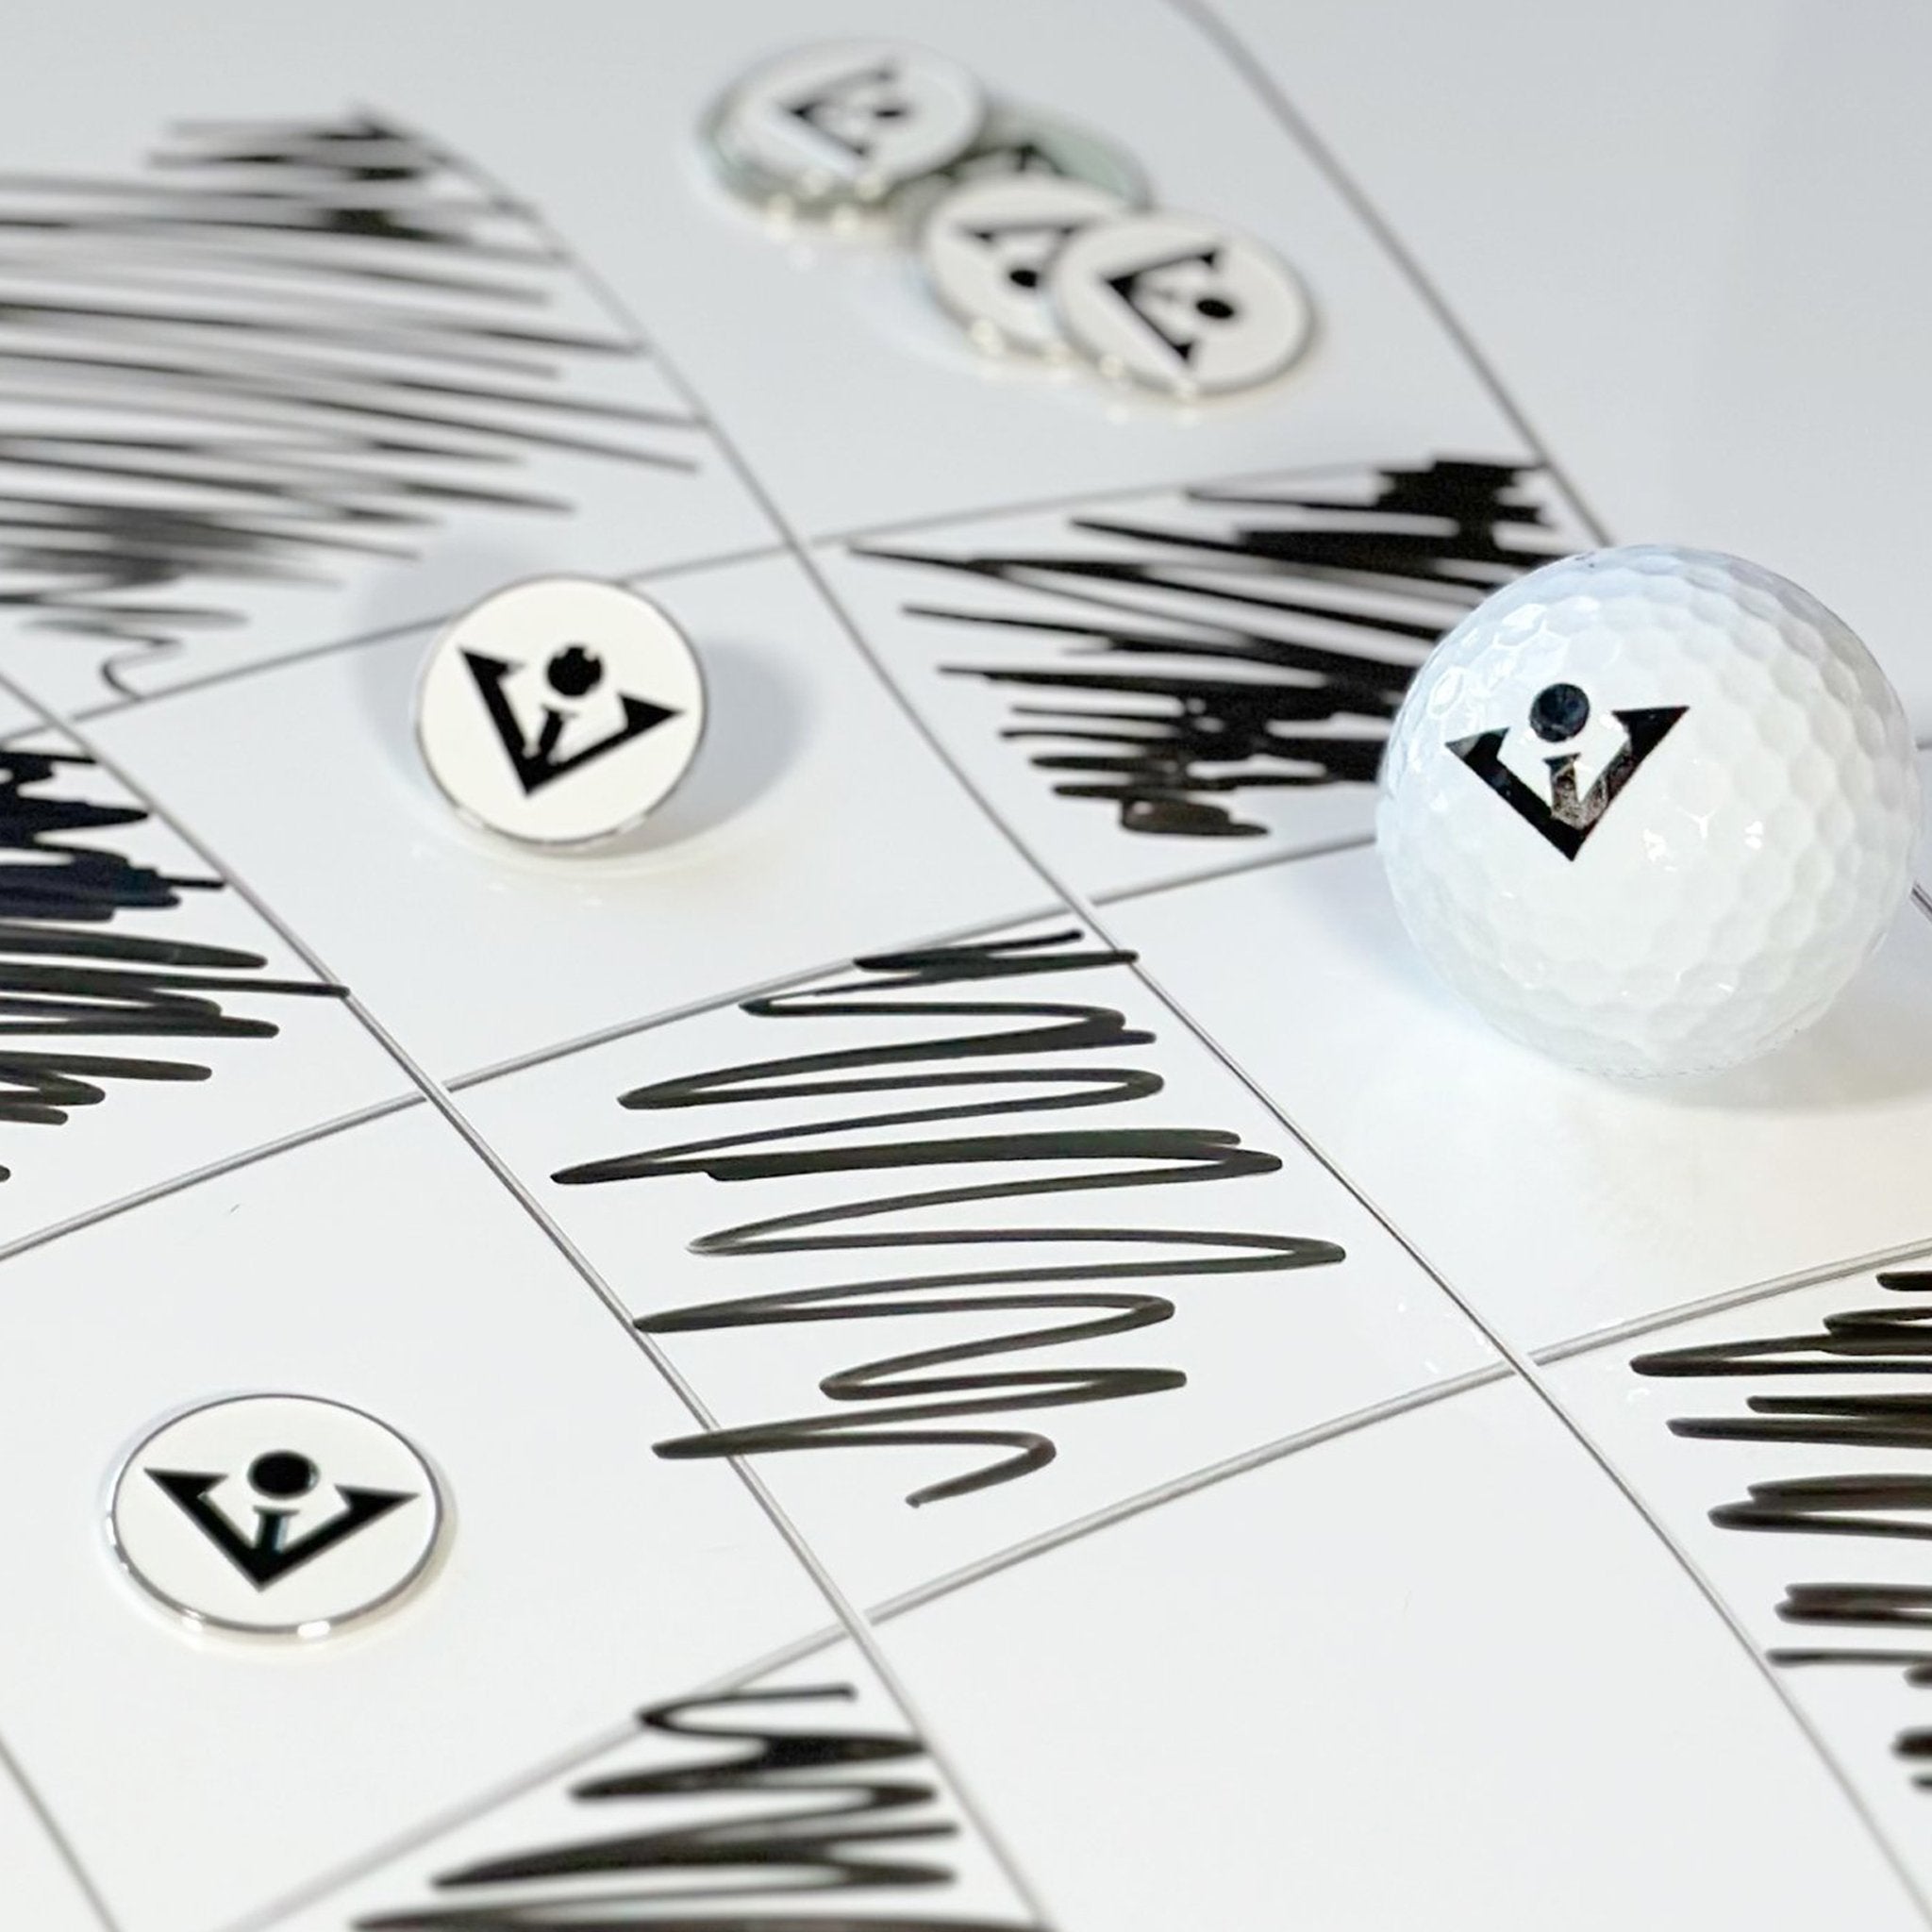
{"points": [[1732, 758], [1558, 715]]}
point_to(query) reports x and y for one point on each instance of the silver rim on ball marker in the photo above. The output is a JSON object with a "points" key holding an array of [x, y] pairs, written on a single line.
{"points": [[560, 712], [988, 247], [826, 126], [275, 1515], [1180, 304]]}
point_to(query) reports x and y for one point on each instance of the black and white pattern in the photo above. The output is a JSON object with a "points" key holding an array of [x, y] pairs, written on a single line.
{"points": [[284, 355], [1853, 1382], [1173, 661], [998, 1018], [966, 1243], [94, 994], [764, 1809]]}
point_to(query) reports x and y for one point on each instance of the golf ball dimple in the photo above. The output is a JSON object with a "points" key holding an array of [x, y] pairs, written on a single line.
{"points": [[1649, 809]]}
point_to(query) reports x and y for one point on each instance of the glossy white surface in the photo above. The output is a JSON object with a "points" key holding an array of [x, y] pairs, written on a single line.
{"points": [[807, 830], [1864, 1705], [220, 1091], [40, 1883], [1398, 1616], [1150, 1226], [385, 1268], [1555, 1202], [1678, 235], [1428, 1668], [832, 1695]]}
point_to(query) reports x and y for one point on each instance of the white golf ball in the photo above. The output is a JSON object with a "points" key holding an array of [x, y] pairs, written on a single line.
{"points": [[1648, 810]]}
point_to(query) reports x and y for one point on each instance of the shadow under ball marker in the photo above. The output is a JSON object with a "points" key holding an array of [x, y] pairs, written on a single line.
{"points": [[560, 712]]}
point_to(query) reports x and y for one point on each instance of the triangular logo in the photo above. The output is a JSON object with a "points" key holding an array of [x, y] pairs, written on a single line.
{"points": [[1025, 249], [850, 109], [1568, 817], [267, 1556], [535, 759], [1177, 314]]}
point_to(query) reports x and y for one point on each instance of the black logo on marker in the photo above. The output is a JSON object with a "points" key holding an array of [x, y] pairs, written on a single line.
{"points": [[267, 1556], [1024, 248], [571, 674], [851, 111], [1178, 311], [1558, 713]]}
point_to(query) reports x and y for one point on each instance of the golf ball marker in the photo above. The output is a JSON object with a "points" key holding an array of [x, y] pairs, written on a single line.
{"points": [[560, 712], [1022, 144], [988, 248], [1176, 304], [1649, 809], [281, 1515], [846, 122]]}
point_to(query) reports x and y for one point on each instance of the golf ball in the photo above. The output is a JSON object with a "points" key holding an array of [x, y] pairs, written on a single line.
{"points": [[1648, 810]]}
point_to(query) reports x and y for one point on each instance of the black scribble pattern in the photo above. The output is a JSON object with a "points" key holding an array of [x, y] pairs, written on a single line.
{"points": [[794, 1819], [288, 350], [1250, 638], [65, 978], [1029, 1054], [1892, 1343]]}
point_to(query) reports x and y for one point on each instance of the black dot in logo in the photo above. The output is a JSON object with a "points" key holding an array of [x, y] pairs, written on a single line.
{"points": [[574, 671], [1215, 309], [1025, 277], [1559, 711], [282, 1472]]}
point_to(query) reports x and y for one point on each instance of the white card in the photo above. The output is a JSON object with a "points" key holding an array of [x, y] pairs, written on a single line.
{"points": [[967, 1245], [793, 1795], [1153, 687], [1434, 1673], [156, 1024], [1783, 1444], [384, 1268], [1555, 1202], [40, 1881], [813, 819]]}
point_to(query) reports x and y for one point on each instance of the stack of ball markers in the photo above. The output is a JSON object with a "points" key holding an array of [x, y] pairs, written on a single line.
{"points": [[1038, 237]]}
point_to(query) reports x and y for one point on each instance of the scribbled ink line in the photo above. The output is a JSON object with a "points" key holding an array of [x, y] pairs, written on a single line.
{"points": [[804, 1818], [1019, 1046], [1890, 1341], [1307, 611], [64, 978], [288, 350]]}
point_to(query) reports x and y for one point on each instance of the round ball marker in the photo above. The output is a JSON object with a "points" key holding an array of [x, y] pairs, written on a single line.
{"points": [[560, 712], [1022, 142], [278, 1514], [1648, 810], [1180, 305], [988, 247], [829, 127]]}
